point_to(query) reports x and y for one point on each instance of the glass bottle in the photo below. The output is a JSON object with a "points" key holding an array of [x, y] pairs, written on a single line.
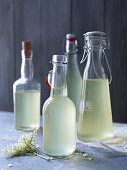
{"points": [[26, 94], [74, 80], [95, 116], [59, 113]]}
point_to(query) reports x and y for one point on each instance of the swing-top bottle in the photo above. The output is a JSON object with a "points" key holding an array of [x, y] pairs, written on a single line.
{"points": [[74, 79], [59, 113], [95, 115]]}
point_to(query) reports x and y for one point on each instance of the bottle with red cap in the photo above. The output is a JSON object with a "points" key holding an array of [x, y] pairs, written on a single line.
{"points": [[26, 94], [74, 79]]}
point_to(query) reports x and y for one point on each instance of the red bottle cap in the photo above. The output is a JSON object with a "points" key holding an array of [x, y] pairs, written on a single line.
{"points": [[71, 39]]}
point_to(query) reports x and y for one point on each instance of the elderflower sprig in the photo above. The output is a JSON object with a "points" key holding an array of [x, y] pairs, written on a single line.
{"points": [[26, 145]]}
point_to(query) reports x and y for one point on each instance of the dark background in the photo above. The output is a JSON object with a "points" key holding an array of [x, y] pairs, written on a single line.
{"points": [[45, 23]]}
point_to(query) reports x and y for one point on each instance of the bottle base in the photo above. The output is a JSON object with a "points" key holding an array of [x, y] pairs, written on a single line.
{"points": [[29, 129], [62, 154], [93, 139]]}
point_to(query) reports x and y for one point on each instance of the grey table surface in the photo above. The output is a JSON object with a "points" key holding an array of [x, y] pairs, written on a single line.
{"points": [[103, 159]]}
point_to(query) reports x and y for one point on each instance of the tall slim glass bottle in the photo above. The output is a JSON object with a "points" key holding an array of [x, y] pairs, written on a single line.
{"points": [[26, 94], [59, 113], [74, 80]]}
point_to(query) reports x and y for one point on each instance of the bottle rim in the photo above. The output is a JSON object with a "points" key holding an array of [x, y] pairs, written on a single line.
{"points": [[95, 35], [60, 59], [71, 36]]}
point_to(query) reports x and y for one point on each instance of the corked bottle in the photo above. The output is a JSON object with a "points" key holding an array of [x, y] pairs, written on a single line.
{"points": [[26, 94], [26, 47]]}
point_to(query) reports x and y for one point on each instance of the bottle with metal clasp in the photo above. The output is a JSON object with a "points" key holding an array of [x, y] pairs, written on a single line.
{"points": [[95, 115], [59, 113]]}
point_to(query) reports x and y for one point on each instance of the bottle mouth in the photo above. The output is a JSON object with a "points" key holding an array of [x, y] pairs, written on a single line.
{"points": [[95, 35], [60, 59], [96, 39], [70, 36]]}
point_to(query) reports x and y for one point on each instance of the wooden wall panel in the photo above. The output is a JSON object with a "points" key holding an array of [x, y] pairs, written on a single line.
{"points": [[45, 23], [116, 28], [27, 28], [7, 60], [55, 24], [87, 15]]}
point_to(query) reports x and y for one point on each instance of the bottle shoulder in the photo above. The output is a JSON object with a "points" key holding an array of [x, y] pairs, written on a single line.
{"points": [[73, 70], [26, 84], [61, 101], [74, 76]]}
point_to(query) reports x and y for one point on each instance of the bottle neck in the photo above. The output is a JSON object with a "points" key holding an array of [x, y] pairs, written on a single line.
{"points": [[71, 46], [97, 55], [27, 67], [94, 68], [58, 86], [72, 59], [58, 92], [71, 51]]}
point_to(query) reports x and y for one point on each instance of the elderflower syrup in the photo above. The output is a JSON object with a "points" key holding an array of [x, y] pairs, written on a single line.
{"points": [[96, 121], [26, 94], [59, 114], [27, 110]]}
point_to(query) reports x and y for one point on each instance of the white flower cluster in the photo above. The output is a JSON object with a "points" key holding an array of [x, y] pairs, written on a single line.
{"points": [[26, 145]]}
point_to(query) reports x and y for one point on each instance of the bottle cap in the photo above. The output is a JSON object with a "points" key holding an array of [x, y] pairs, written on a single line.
{"points": [[26, 46], [71, 43], [71, 37]]}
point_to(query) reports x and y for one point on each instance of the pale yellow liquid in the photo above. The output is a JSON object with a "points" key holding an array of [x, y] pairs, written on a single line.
{"points": [[74, 84], [59, 129], [95, 122], [27, 110]]}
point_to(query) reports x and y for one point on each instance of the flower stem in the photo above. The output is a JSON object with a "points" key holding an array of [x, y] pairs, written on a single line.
{"points": [[43, 157]]}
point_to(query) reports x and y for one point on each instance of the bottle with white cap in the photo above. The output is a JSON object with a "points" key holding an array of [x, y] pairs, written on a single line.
{"points": [[59, 113], [74, 80]]}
